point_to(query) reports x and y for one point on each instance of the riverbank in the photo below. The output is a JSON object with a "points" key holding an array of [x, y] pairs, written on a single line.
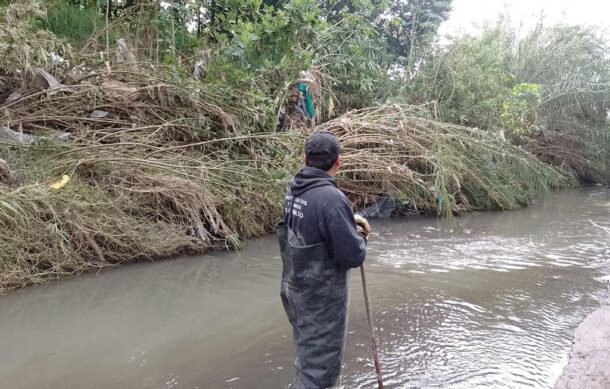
{"points": [[143, 187], [106, 160], [589, 365]]}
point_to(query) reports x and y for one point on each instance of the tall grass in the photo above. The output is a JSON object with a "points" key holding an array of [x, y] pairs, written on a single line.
{"points": [[548, 92], [70, 21]]}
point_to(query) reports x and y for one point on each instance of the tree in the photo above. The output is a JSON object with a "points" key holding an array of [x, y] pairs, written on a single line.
{"points": [[337, 10], [411, 24]]}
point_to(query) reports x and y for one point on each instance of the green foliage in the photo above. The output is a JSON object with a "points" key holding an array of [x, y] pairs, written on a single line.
{"points": [[470, 79], [407, 27], [572, 65], [355, 55], [76, 22], [261, 35], [549, 91], [336, 10], [411, 25], [519, 112], [352, 42]]}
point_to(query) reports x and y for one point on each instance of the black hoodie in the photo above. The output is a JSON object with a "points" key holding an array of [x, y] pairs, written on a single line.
{"points": [[317, 211]]}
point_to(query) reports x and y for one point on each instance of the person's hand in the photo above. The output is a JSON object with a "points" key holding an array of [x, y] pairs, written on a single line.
{"points": [[362, 226]]}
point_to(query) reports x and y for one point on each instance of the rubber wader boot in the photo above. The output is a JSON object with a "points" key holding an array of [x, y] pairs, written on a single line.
{"points": [[315, 296]]}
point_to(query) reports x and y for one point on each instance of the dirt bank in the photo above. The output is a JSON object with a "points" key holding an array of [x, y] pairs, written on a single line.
{"points": [[589, 365]]}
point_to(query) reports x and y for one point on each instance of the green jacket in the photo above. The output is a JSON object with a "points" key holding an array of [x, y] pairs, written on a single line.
{"points": [[309, 108]]}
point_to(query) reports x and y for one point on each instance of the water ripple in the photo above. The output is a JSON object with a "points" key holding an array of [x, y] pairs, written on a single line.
{"points": [[495, 308]]}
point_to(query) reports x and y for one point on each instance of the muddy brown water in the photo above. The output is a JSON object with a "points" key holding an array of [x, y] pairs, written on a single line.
{"points": [[493, 307]]}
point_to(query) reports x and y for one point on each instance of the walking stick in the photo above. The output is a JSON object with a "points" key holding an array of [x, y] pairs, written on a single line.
{"points": [[369, 316]]}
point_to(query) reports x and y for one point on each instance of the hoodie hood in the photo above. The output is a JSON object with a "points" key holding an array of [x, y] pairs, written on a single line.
{"points": [[308, 178]]}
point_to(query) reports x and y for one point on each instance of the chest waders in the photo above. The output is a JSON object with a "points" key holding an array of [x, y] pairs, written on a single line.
{"points": [[315, 296]]}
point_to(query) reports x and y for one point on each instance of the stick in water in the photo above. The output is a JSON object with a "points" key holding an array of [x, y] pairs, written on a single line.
{"points": [[369, 316]]}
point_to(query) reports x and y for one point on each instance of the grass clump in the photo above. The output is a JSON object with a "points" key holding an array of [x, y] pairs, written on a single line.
{"points": [[49, 234]]}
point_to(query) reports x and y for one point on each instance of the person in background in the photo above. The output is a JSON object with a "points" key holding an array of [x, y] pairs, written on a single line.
{"points": [[306, 106], [300, 106]]}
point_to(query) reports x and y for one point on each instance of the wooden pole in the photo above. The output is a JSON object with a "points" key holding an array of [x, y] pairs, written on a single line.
{"points": [[369, 316], [108, 9]]}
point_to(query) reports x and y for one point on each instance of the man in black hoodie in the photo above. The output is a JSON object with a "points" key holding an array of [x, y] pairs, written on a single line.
{"points": [[319, 242]]}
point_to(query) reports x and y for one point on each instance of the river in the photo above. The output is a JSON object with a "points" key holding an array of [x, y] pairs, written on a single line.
{"points": [[494, 306]]}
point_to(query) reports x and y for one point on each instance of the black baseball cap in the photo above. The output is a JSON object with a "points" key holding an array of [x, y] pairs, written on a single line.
{"points": [[322, 149]]}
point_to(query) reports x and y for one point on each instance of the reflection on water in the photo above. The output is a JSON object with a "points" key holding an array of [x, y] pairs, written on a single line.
{"points": [[495, 306]]}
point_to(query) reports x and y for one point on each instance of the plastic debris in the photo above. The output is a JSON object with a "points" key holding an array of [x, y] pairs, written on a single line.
{"points": [[10, 136], [63, 181], [98, 114]]}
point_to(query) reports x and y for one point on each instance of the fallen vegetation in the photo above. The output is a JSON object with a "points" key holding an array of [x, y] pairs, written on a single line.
{"points": [[120, 154], [439, 167]]}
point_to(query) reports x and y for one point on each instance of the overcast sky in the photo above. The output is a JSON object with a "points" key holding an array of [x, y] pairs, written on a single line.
{"points": [[466, 14]]}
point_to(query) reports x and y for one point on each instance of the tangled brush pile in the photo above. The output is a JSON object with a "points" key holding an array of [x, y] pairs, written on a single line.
{"points": [[437, 166]]}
